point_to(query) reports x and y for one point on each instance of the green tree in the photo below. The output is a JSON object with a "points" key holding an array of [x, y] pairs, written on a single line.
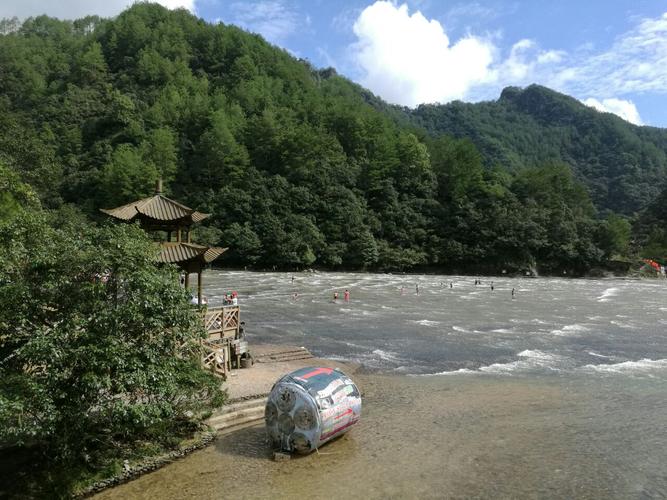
{"points": [[159, 150], [14, 195], [99, 348], [127, 176], [655, 245], [458, 168], [245, 246], [91, 67], [615, 236], [558, 203]]}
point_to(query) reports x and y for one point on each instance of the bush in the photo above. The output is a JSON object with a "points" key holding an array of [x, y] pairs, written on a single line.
{"points": [[99, 348]]}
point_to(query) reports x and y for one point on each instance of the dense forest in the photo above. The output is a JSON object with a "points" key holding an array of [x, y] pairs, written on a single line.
{"points": [[300, 167], [622, 165]]}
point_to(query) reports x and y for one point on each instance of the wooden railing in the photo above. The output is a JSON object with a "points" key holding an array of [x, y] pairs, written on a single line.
{"points": [[216, 357], [224, 342], [222, 322]]}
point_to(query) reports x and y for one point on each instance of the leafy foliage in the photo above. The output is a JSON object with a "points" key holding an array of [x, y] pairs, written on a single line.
{"points": [[98, 346]]}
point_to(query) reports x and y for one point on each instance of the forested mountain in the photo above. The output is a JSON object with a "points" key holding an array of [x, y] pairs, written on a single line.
{"points": [[624, 166], [301, 167]]}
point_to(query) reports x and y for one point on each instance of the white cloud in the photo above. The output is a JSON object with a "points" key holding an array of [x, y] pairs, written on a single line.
{"points": [[75, 9], [625, 109], [408, 59], [275, 20], [525, 62], [636, 62]]}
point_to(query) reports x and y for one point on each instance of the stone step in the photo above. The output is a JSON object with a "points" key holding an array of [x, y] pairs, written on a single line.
{"points": [[231, 418], [284, 357], [278, 350], [263, 353], [238, 427], [240, 405], [237, 418], [238, 412]]}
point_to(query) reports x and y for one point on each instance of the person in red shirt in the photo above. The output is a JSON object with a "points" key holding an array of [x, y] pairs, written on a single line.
{"points": [[346, 296]]}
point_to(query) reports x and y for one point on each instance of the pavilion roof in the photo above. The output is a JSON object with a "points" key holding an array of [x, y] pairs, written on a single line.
{"points": [[183, 252], [158, 208]]}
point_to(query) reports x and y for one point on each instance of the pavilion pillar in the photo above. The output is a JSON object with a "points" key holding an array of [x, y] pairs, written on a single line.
{"points": [[187, 280], [199, 288]]}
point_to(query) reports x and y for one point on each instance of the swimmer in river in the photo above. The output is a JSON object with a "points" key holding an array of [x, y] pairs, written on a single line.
{"points": [[402, 290], [417, 288], [335, 296], [292, 279], [295, 296], [513, 292], [451, 285], [492, 286], [346, 295]]}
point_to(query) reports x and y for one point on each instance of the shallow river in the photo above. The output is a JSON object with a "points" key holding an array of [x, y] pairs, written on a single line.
{"points": [[560, 392]]}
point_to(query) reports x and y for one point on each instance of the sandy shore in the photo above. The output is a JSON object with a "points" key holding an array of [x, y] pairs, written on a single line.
{"points": [[459, 436]]}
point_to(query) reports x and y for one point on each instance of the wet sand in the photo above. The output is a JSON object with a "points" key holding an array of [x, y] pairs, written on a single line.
{"points": [[447, 437]]}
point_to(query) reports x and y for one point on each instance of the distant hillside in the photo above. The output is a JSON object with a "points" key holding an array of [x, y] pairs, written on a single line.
{"points": [[624, 166], [299, 166]]}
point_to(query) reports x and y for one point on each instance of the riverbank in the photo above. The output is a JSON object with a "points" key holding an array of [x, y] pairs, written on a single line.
{"points": [[457, 436], [558, 392], [250, 384]]}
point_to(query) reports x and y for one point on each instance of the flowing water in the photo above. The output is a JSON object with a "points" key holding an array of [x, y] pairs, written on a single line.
{"points": [[559, 392]]}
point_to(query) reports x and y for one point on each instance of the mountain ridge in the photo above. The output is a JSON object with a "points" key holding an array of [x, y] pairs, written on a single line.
{"points": [[527, 126]]}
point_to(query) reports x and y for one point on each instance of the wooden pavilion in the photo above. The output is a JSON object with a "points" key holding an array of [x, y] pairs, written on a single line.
{"points": [[159, 214], [171, 224]]}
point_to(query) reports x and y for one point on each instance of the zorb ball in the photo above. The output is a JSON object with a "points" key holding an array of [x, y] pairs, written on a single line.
{"points": [[309, 407]]}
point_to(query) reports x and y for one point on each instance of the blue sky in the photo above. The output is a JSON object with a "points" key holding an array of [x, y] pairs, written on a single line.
{"points": [[610, 54]]}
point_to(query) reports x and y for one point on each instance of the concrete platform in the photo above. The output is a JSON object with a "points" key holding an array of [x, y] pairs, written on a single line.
{"points": [[248, 388], [272, 362]]}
